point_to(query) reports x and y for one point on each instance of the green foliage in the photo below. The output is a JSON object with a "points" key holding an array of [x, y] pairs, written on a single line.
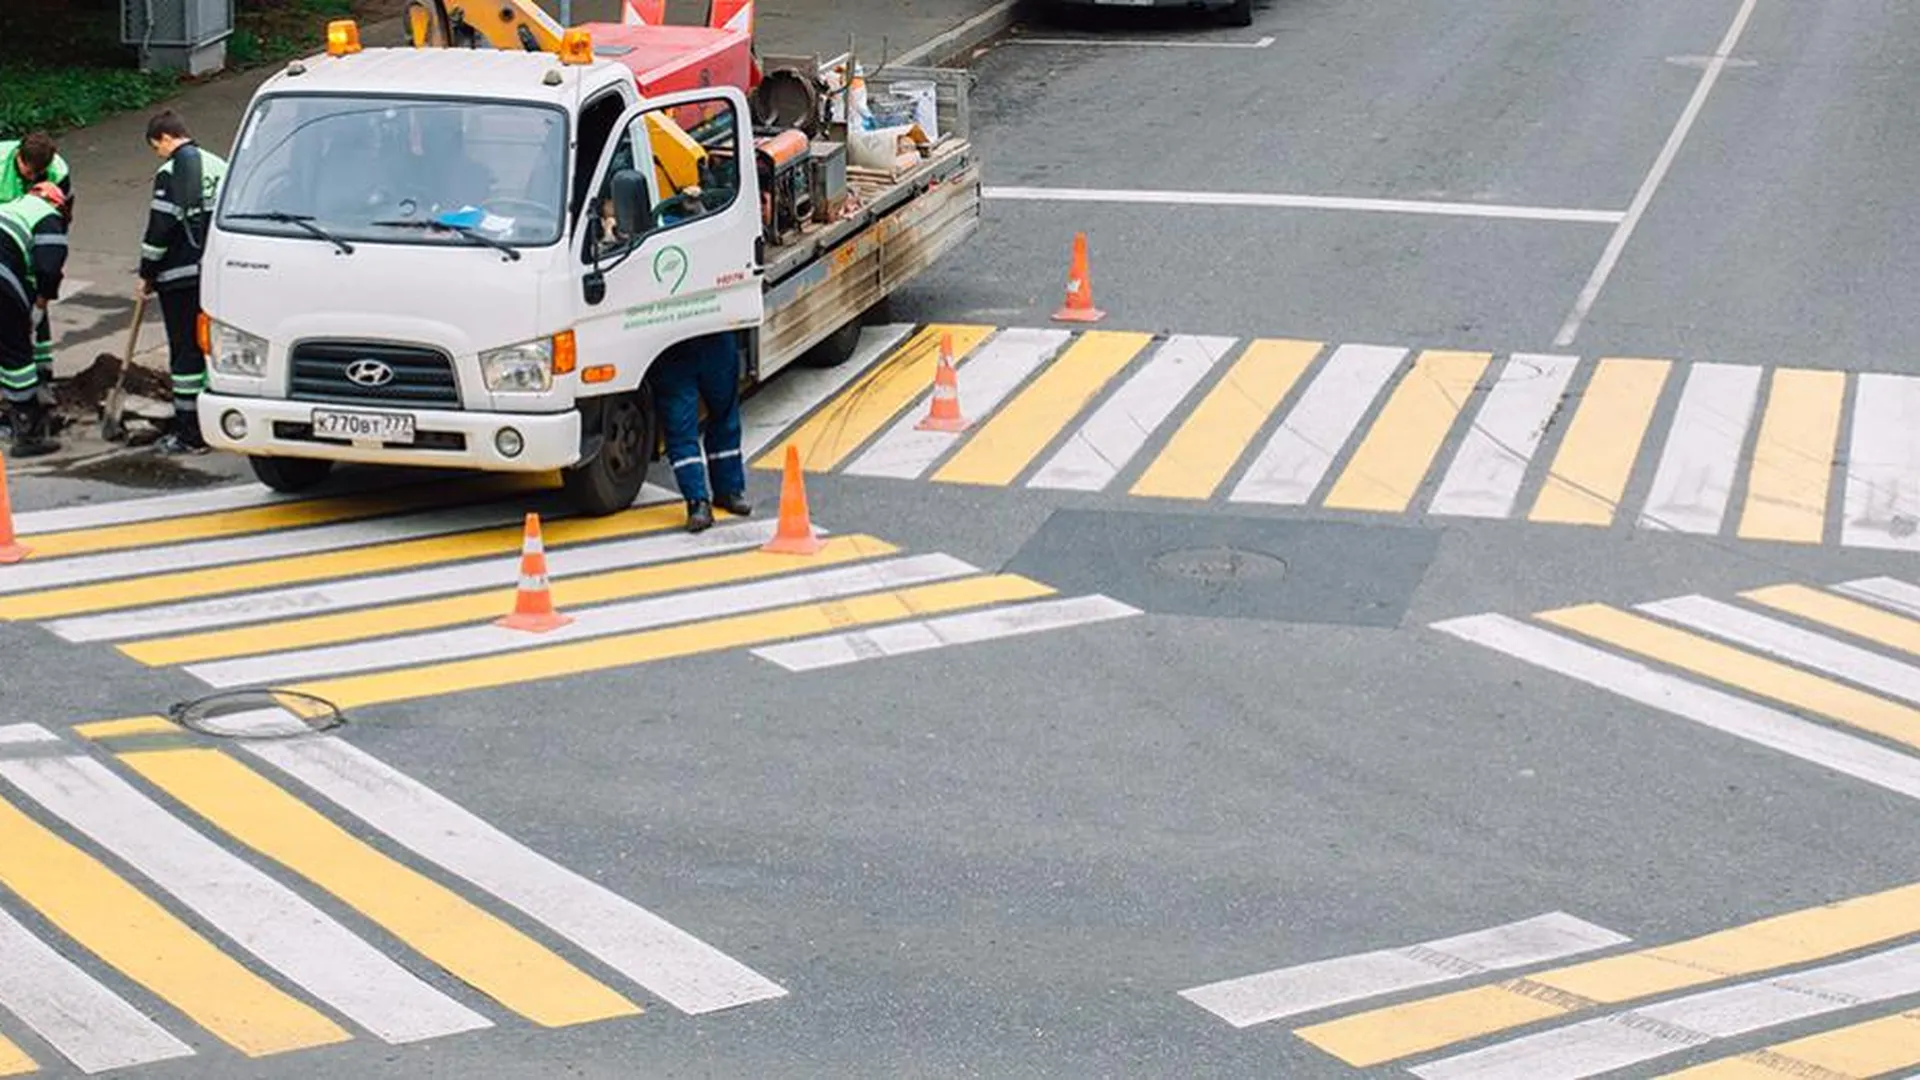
{"points": [[59, 99]]}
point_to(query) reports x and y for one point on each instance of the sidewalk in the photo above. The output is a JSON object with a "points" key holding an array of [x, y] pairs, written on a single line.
{"points": [[113, 170]]}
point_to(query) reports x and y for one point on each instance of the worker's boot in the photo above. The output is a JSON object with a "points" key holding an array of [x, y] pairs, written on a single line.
{"points": [[183, 438], [699, 515], [735, 504], [30, 431]]}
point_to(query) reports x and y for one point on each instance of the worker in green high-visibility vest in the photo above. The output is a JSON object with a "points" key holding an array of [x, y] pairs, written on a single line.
{"points": [[33, 256], [33, 160]]}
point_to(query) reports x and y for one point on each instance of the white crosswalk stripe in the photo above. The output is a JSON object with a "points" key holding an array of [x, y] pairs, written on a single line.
{"points": [[1486, 474], [1701, 463], [1108, 440], [998, 367], [92, 1026], [1298, 456]]}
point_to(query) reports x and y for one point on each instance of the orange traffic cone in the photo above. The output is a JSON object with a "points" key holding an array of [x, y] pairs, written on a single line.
{"points": [[533, 606], [943, 414], [11, 551], [795, 534], [1079, 306]]}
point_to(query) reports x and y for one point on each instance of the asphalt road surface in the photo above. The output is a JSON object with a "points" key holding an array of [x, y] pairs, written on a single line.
{"points": [[1456, 615]]}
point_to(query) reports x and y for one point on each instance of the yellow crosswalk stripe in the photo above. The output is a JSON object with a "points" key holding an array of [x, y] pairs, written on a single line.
{"points": [[130, 726], [323, 566], [1856, 1052], [1738, 668], [1590, 472], [1388, 468], [1793, 461], [1397, 1031], [13, 1060], [323, 511], [1218, 430], [646, 646], [120, 925], [480, 606], [835, 431], [1006, 444], [476, 947], [1853, 617]]}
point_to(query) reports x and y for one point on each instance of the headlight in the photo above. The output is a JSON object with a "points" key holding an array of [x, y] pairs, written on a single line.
{"points": [[519, 369], [236, 352]]}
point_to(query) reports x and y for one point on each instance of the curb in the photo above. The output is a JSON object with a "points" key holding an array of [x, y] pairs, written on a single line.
{"points": [[950, 49]]}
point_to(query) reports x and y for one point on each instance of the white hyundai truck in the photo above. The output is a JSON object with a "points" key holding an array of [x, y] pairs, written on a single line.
{"points": [[469, 259]]}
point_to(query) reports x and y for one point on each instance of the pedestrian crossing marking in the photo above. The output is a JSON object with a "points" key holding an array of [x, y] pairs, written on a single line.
{"points": [[1860, 620], [1003, 447], [1114, 432], [1488, 470], [290, 515], [1700, 465], [126, 727], [14, 1061], [1398, 451], [1743, 670], [479, 607], [648, 646], [1855, 1052], [176, 585], [1203, 450], [832, 434], [1595, 462], [1394, 1032], [476, 947], [84, 1021], [1882, 501], [1793, 460], [119, 924], [1297, 456]]}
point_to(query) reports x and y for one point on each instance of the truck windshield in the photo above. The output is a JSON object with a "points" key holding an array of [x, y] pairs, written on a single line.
{"points": [[381, 169]]}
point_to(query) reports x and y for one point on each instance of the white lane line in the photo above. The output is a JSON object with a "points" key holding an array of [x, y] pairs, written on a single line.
{"points": [[920, 635], [1883, 466], [1695, 479], [1791, 643], [1124, 43], [299, 601], [689, 974], [1617, 243], [1300, 452], [1304, 988], [797, 391], [1487, 472], [253, 547], [1771, 728], [1101, 447], [91, 1025], [1886, 592], [1257, 200], [487, 640], [1634, 1036], [996, 370], [263, 916]]}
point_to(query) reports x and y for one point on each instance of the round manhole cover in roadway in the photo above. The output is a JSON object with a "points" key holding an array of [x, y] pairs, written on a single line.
{"points": [[1219, 565]]}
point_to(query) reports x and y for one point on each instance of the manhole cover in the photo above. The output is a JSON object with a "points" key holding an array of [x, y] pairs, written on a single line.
{"points": [[1220, 565], [257, 714]]}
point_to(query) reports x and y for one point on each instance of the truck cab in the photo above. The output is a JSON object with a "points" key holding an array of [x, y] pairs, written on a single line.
{"points": [[470, 259]]}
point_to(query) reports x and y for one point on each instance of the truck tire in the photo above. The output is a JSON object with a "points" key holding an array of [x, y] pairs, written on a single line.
{"points": [[611, 480], [290, 474], [1238, 13], [836, 348]]}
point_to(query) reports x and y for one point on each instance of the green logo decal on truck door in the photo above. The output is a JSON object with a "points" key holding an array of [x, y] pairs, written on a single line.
{"points": [[670, 262]]}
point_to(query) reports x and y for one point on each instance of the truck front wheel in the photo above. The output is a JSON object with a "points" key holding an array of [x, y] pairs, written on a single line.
{"points": [[289, 474], [610, 481]]}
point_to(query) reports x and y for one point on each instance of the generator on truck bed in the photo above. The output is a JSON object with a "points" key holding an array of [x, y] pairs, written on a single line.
{"points": [[470, 258]]}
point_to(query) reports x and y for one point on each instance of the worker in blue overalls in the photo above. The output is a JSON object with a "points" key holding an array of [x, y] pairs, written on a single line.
{"points": [[690, 373]]}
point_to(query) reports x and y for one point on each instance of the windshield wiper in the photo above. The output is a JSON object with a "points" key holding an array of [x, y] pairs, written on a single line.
{"points": [[467, 231], [305, 221]]}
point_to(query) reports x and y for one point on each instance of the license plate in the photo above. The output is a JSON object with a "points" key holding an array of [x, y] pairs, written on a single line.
{"points": [[363, 426]]}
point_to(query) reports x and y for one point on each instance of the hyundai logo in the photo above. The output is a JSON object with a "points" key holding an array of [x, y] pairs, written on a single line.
{"points": [[369, 373]]}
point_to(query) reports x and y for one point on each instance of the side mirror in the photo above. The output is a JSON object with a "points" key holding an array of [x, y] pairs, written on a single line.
{"points": [[593, 287], [632, 203]]}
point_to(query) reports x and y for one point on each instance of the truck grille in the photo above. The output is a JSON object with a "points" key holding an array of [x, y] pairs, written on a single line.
{"points": [[422, 378]]}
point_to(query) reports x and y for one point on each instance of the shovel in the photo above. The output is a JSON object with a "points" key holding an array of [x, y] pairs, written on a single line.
{"points": [[113, 426]]}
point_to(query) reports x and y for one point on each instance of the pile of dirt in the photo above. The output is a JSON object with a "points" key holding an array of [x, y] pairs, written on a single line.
{"points": [[86, 393]]}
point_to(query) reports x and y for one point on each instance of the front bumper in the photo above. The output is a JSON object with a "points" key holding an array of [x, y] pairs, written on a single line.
{"points": [[444, 439]]}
